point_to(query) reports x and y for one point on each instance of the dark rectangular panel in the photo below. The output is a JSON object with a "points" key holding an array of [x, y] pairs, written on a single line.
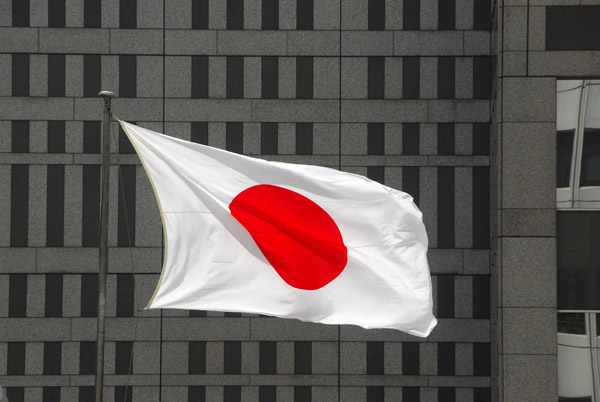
{"points": [[411, 75], [269, 77], [482, 15], [446, 394], [481, 296], [17, 295], [125, 293], [305, 14], [199, 14], [482, 82], [52, 358], [445, 207], [482, 394], [20, 13], [92, 13], [127, 76], [375, 138], [232, 358], [446, 77], [376, 78], [234, 137], [302, 357], [481, 138], [91, 75], [411, 394], [87, 394], [445, 296], [87, 357], [92, 137], [481, 207], [446, 358], [445, 138], [15, 359], [197, 313], [235, 77], [376, 15], [410, 181], [89, 295], [376, 173], [197, 394], [268, 139], [375, 358], [126, 193], [304, 138], [446, 14], [50, 394], [56, 75], [481, 359], [123, 394], [123, 357], [19, 205], [53, 295], [199, 76], [197, 357], [19, 136], [304, 77], [20, 74], [235, 14], [270, 14], [56, 13], [267, 394], [199, 132], [375, 394], [56, 136], [125, 146], [232, 393], [410, 358], [302, 394], [128, 14], [572, 28], [55, 206], [90, 228], [267, 357], [411, 18]]}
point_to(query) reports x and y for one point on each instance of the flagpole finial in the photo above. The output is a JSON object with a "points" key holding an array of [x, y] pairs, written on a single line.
{"points": [[106, 93]]}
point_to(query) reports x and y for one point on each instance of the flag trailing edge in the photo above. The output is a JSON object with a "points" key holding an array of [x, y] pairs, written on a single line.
{"points": [[286, 240]]}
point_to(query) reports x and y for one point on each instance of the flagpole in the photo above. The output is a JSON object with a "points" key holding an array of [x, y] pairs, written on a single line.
{"points": [[106, 95]]}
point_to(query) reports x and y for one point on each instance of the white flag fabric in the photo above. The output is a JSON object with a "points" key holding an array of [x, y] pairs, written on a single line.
{"points": [[285, 240]]}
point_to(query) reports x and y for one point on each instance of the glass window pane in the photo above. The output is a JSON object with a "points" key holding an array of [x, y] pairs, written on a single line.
{"points": [[571, 323], [564, 150], [590, 158]]}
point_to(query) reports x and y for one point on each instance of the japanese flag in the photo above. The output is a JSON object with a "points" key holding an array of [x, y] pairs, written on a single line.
{"points": [[292, 241]]}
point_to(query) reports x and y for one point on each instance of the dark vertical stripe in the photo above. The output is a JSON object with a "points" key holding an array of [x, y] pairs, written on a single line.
{"points": [[268, 139], [89, 295], [123, 394], [126, 223], [375, 358], [56, 136], [87, 357], [445, 138], [445, 296], [234, 137], [232, 393], [305, 14], [20, 74], [267, 357], [87, 394], [55, 206], [481, 359], [482, 83], [197, 394], [15, 359], [235, 77], [302, 394], [19, 205], [54, 295], [128, 14], [446, 394], [197, 313], [375, 394], [127, 76], [197, 357], [200, 14], [52, 358], [19, 136], [92, 136], [232, 358], [125, 146], [481, 296], [376, 15], [410, 181], [481, 207], [410, 358], [91, 75], [411, 75], [270, 77], [267, 394], [304, 138], [270, 14], [445, 207], [199, 76], [235, 14], [482, 10], [125, 292], [15, 394], [50, 394], [481, 138], [411, 18], [482, 394], [446, 358], [376, 173], [302, 357], [446, 77], [92, 13], [411, 394], [446, 14], [199, 132], [304, 77], [376, 78], [56, 75], [90, 227], [123, 357], [375, 138], [20, 13], [56, 13]]}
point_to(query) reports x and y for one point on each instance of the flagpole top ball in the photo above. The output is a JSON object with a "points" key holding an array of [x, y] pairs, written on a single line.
{"points": [[106, 94]]}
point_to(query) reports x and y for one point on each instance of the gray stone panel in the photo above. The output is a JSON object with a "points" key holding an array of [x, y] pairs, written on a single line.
{"points": [[294, 110], [530, 378], [313, 43], [17, 108], [327, 14], [252, 14], [371, 43], [267, 328], [178, 77], [528, 222], [226, 329], [326, 78], [19, 40], [149, 77], [150, 14], [537, 28], [429, 15], [564, 63], [476, 262], [178, 15], [514, 63], [354, 15], [379, 111], [287, 14], [529, 99], [477, 43], [354, 77], [529, 331], [37, 206], [208, 110], [428, 43], [74, 40], [475, 110], [34, 329], [353, 357], [464, 14], [251, 43], [184, 42], [515, 25], [217, 13], [132, 41]]}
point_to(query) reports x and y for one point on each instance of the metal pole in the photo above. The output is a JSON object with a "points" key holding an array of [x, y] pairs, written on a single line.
{"points": [[106, 95]]}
